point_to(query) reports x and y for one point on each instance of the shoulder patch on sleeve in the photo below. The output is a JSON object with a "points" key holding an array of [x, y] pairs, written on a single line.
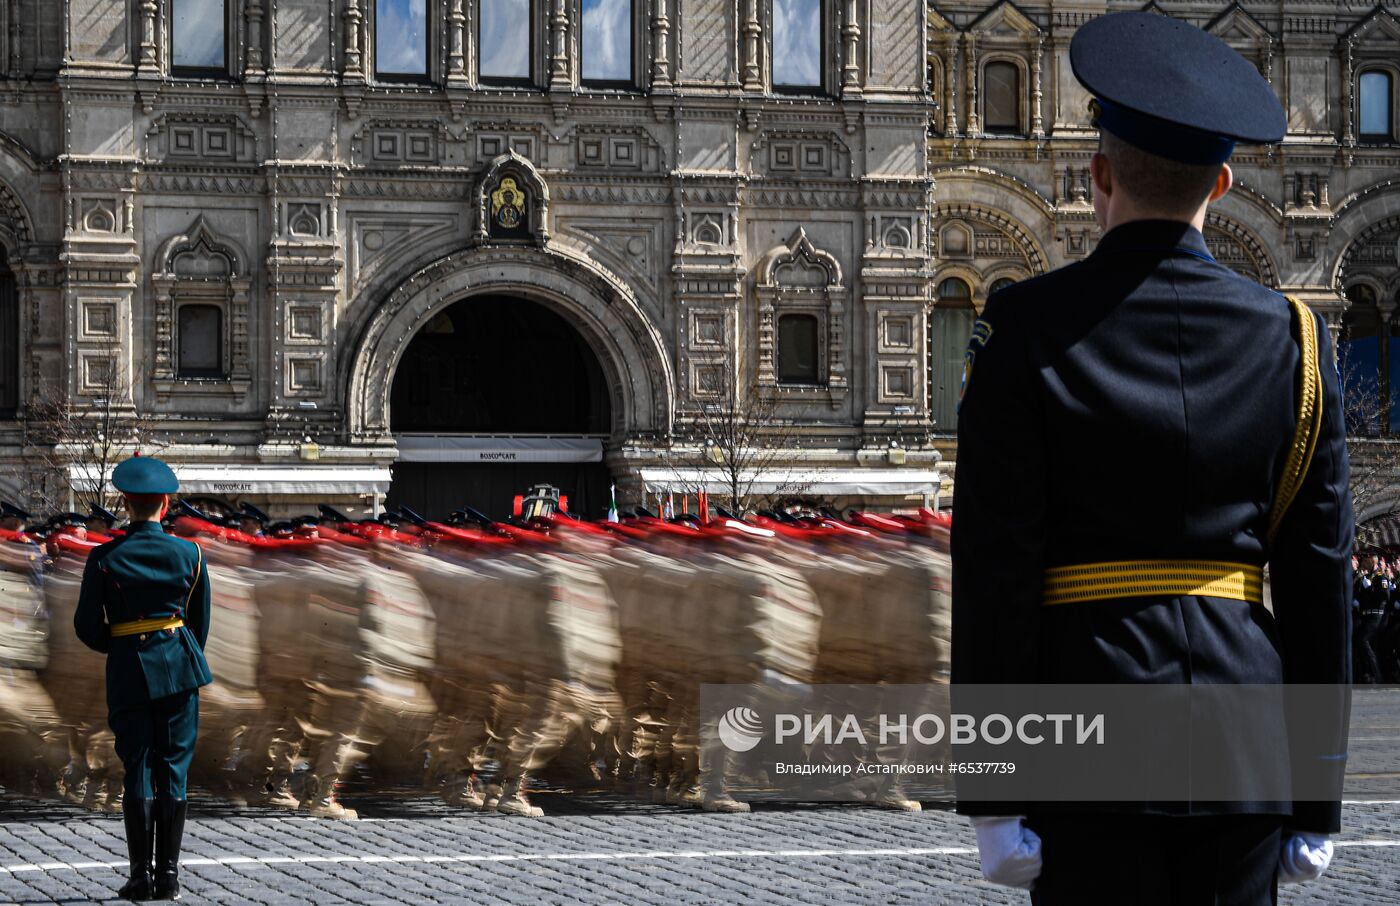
{"points": [[981, 333]]}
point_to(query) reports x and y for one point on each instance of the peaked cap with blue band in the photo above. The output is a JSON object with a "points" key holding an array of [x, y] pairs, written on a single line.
{"points": [[1173, 90], [144, 475]]}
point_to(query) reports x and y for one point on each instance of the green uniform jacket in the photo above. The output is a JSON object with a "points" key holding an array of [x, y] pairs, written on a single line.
{"points": [[143, 575]]}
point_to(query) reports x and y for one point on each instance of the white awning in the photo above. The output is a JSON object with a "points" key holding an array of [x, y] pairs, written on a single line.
{"points": [[821, 482], [307, 480], [478, 448]]}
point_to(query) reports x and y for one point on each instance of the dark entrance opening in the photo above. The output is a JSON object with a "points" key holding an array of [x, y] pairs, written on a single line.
{"points": [[9, 340], [506, 368]]}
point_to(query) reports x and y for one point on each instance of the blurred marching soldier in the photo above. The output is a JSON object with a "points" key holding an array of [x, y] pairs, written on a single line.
{"points": [[12, 518], [1373, 596], [101, 519], [145, 604], [1180, 409]]}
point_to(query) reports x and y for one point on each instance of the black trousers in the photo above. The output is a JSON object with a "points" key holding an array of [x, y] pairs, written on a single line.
{"points": [[1151, 860], [1367, 637]]}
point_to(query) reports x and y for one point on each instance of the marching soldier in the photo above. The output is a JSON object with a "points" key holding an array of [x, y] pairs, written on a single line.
{"points": [[12, 518], [101, 520], [1180, 409], [145, 604]]}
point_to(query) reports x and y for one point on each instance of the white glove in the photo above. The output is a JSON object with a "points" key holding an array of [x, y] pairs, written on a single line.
{"points": [[1009, 850], [1303, 857]]}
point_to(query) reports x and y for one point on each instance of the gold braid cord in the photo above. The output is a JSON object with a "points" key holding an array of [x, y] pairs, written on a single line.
{"points": [[1309, 425]]}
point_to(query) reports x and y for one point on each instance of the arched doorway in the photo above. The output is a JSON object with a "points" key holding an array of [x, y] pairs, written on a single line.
{"points": [[9, 340], [493, 394], [949, 330]]}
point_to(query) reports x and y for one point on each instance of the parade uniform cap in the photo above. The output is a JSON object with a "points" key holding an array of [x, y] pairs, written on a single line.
{"points": [[1173, 90], [9, 509], [96, 511], [144, 475]]}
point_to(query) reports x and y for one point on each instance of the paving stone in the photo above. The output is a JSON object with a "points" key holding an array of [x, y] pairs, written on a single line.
{"points": [[590, 850]]}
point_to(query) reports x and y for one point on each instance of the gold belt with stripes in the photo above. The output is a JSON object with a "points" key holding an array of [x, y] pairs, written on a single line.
{"points": [[154, 624], [1144, 578]]}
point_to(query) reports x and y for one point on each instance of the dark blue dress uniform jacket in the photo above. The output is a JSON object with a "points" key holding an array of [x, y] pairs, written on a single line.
{"points": [[1140, 405], [143, 575]]}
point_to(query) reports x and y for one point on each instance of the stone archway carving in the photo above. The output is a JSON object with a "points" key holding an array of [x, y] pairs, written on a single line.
{"points": [[601, 307], [1235, 246], [1374, 251]]}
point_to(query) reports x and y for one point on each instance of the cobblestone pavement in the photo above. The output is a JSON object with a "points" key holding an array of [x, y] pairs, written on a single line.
{"points": [[592, 849]]}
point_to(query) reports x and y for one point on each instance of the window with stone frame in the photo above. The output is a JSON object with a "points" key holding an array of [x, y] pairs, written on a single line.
{"points": [[949, 328], [799, 349], [402, 49], [505, 36], [201, 313], [801, 322], [1376, 105], [799, 50], [607, 43], [1001, 98], [199, 341], [199, 38]]}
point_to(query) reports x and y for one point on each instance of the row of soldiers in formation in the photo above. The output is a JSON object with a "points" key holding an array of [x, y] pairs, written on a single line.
{"points": [[1376, 619], [471, 657]]}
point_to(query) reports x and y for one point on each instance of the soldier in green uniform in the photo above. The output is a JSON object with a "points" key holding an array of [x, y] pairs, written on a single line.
{"points": [[145, 604]]}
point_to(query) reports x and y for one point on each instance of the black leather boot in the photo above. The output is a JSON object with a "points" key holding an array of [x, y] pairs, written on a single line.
{"points": [[138, 815], [170, 830]]}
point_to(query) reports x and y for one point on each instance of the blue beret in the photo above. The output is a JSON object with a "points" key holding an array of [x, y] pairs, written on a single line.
{"points": [[144, 475], [1173, 90]]}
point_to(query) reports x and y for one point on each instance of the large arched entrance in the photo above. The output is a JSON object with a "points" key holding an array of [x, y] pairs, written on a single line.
{"points": [[601, 310], [496, 393]]}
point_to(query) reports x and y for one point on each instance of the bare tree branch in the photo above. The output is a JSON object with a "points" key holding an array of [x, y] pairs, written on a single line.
{"points": [[743, 440], [77, 443]]}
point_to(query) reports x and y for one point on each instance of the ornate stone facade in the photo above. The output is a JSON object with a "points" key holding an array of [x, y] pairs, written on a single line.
{"points": [[312, 215]]}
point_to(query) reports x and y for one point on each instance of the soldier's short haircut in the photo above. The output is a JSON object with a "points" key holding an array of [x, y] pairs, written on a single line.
{"points": [[143, 507], [1156, 182]]}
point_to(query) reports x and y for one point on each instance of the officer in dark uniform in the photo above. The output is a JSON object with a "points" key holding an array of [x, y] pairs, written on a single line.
{"points": [[1147, 416], [1373, 594], [145, 604]]}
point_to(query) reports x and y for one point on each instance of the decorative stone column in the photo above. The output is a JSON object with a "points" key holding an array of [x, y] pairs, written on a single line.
{"points": [[1348, 117], [456, 42], [354, 54], [850, 33], [660, 47], [148, 63], [753, 34], [559, 75], [253, 53], [1037, 118], [950, 77], [974, 119]]}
